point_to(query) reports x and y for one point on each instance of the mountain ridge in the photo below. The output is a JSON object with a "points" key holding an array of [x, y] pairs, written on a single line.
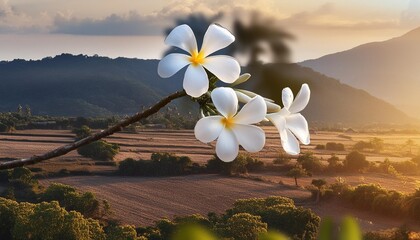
{"points": [[78, 85], [386, 69]]}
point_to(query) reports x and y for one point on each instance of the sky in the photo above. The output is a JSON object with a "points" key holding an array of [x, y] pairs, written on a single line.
{"points": [[135, 28]]}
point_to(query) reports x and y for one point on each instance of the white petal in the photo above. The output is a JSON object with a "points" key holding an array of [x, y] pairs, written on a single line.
{"points": [[289, 142], [299, 127], [182, 37], [243, 98], [225, 101], [272, 107], [243, 78], [227, 147], [252, 112], [287, 97], [251, 138], [171, 64], [301, 99], [225, 68], [278, 120], [252, 94], [216, 38], [196, 82], [208, 129]]}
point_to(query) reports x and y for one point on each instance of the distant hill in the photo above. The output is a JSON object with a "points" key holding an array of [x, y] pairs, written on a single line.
{"points": [[389, 70], [82, 86], [70, 85], [331, 101]]}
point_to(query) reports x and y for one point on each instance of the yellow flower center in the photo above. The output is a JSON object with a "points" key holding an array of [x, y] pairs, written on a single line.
{"points": [[228, 122], [197, 58]]}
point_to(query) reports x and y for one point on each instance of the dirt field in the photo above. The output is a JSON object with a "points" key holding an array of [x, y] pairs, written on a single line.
{"points": [[144, 200], [182, 142], [406, 184], [25, 143], [140, 201]]}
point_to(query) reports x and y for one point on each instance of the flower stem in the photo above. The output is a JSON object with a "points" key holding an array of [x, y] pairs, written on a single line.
{"points": [[111, 130]]}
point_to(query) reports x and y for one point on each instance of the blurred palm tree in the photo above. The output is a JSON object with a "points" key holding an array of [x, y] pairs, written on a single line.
{"points": [[259, 31]]}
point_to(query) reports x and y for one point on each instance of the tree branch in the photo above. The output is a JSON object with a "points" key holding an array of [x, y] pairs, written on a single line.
{"points": [[73, 146]]}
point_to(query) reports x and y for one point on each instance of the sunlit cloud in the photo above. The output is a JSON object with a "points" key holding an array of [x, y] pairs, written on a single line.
{"points": [[411, 16], [125, 25]]}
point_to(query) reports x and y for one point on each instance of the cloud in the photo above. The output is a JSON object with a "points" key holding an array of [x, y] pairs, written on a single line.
{"points": [[411, 16], [326, 17], [129, 24]]}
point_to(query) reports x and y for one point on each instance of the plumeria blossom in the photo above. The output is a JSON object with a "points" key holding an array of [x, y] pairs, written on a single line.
{"points": [[230, 128], [289, 122], [196, 81]]}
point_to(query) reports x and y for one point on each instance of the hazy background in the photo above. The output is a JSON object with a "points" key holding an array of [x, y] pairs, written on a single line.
{"points": [[35, 29]]}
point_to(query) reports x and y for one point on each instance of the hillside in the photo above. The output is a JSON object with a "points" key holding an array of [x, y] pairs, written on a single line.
{"points": [[388, 70], [96, 86], [82, 86], [331, 101]]}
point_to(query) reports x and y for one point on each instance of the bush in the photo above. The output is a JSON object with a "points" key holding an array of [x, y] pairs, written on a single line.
{"points": [[280, 214], [161, 164], [309, 162], [99, 150], [82, 132], [320, 147], [361, 145], [45, 221], [244, 226], [355, 161], [242, 164], [334, 163], [85, 203], [282, 158], [116, 232], [335, 146]]}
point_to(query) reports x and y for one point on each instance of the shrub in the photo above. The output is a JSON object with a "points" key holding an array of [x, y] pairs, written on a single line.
{"points": [[99, 150], [82, 132], [361, 145], [309, 162], [45, 221], [282, 158], [320, 147], [244, 226], [280, 214], [116, 232], [242, 164], [334, 146], [161, 164], [355, 161], [85, 203], [334, 163], [377, 144], [406, 167]]}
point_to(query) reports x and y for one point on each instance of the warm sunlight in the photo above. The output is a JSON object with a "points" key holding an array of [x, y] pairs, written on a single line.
{"points": [[210, 120]]}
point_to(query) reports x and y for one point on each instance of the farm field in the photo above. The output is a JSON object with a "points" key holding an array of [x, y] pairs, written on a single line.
{"points": [[140, 201], [21, 144]]}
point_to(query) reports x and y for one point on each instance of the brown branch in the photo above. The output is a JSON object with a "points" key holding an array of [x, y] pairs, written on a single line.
{"points": [[73, 146]]}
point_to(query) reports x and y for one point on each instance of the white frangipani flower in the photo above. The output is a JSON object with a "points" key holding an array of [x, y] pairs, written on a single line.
{"points": [[231, 128], [245, 96], [196, 81], [289, 122]]}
